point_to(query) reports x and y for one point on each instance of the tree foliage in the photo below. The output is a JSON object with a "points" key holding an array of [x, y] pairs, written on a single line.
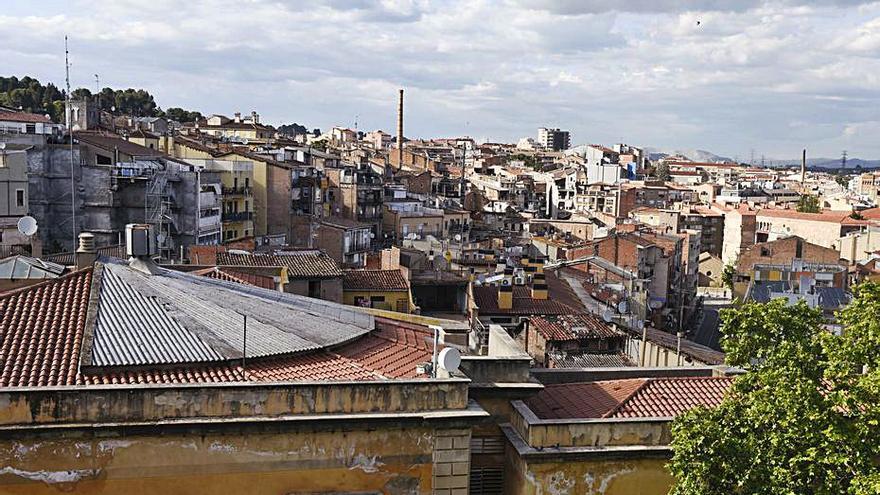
{"points": [[727, 275], [808, 204], [181, 115], [805, 416], [293, 129], [30, 95], [662, 172]]}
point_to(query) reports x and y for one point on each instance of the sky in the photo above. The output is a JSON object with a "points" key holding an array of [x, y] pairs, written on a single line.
{"points": [[762, 78]]}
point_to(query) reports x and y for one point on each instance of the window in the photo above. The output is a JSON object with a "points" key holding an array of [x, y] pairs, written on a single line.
{"points": [[30, 128], [247, 182], [19, 198], [765, 251], [315, 288]]}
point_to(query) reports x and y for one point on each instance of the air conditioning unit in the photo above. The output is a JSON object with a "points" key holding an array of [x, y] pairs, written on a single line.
{"points": [[139, 240], [519, 281]]}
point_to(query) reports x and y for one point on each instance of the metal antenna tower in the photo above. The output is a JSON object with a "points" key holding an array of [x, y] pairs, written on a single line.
{"points": [[843, 160], [69, 121]]}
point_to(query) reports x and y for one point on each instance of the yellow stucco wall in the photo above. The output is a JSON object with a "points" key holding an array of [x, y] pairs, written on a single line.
{"points": [[396, 460], [612, 477], [391, 299]]}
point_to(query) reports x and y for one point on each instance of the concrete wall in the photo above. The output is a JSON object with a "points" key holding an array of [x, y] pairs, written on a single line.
{"points": [[238, 460], [331, 288], [595, 477]]}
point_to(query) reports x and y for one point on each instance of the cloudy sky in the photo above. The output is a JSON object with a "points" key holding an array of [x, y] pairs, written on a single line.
{"points": [[772, 77]]}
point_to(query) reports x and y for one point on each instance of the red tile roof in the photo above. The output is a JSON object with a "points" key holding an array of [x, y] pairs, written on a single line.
{"points": [[24, 117], [374, 280], [486, 298], [41, 331], [825, 216], [630, 398], [302, 264], [582, 400], [393, 351], [669, 397], [573, 327]]}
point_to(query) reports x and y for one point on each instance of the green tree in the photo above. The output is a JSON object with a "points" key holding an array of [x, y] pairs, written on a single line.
{"points": [[727, 275], [843, 180], [802, 419], [808, 204], [662, 172]]}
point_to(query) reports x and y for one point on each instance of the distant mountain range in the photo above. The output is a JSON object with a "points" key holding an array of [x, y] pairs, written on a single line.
{"points": [[814, 163]]}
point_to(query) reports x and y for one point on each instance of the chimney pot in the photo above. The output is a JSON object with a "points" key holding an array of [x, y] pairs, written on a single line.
{"points": [[86, 254]]}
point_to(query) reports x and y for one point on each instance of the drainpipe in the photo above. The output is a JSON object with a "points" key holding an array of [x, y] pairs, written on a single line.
{"points": [[643, 347]]}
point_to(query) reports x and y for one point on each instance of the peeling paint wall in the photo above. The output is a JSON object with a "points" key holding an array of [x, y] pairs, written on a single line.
{"points": [[231, 459], [588, 477]]}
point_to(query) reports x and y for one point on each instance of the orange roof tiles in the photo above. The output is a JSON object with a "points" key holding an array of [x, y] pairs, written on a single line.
{"points": [[486, 298], [24, 117], [572, 327], [631, 398], [41, 331], [374, 280], [301, 264]]}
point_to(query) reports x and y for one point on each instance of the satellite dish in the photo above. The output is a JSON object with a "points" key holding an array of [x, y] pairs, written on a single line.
{"points": [[27, 225], [160, 238], [607, 315], [621, 307], [457, 237], [2, 146], [449, 359], [640, 324]]}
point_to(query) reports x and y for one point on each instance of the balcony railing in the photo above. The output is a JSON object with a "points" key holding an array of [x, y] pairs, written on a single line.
{"points": [[237, 191], [240, 216]]}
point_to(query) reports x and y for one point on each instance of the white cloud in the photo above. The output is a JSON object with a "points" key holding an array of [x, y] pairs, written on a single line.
{"points": [[671, 73]]}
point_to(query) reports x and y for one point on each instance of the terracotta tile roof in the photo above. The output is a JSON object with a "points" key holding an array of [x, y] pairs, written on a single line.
{"points": [[582, 400], [825, 216], [41, 330], [374, 280], [24, 117], [573, 327], [113, 143], [218, 274], [393, 351], [486, 298], [669, 397], [630, 398], [317, 366], [302, 264], [196, 374]]}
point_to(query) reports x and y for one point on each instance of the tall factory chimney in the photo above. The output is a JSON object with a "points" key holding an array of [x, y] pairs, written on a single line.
{"points": [[400, 131], [804, 167]]}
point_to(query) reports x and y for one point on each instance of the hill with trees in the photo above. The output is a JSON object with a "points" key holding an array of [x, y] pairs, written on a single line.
{"points": [[29, 95]]}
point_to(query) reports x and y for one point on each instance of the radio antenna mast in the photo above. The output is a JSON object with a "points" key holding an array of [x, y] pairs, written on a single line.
{"points": [[69, 120]]}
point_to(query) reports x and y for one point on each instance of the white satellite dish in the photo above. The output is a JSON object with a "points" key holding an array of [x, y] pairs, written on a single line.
{"points": [[640, 324], [449, 359], [2, 146], [27, 225], [457, 237], [607, 315], [160, 238], [621, 307]]}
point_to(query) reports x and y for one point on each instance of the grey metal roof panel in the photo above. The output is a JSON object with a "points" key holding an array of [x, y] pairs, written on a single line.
{"points": [[201, 318], [133, 329], [832, 297]]}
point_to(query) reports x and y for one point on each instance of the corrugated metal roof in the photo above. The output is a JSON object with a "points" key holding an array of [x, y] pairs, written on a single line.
{"points": [[212, 311], [590, 360], [133, 329]]}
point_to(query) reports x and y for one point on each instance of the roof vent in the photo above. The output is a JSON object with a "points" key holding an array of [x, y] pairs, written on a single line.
{"points": [[86, 254], [139, 240]]}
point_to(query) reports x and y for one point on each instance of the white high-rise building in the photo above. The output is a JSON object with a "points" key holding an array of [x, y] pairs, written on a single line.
{"points": [[554, 139]]}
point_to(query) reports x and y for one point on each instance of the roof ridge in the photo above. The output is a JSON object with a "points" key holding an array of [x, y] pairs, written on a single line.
{"points": [[14, 292], [628, 398]]}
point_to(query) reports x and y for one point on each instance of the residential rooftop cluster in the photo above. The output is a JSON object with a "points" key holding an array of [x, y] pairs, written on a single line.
{"points": [[356, 312]]}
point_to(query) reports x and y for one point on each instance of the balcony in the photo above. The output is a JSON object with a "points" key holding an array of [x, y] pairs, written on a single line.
{"points": [[237, 191], [238, 216]]}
